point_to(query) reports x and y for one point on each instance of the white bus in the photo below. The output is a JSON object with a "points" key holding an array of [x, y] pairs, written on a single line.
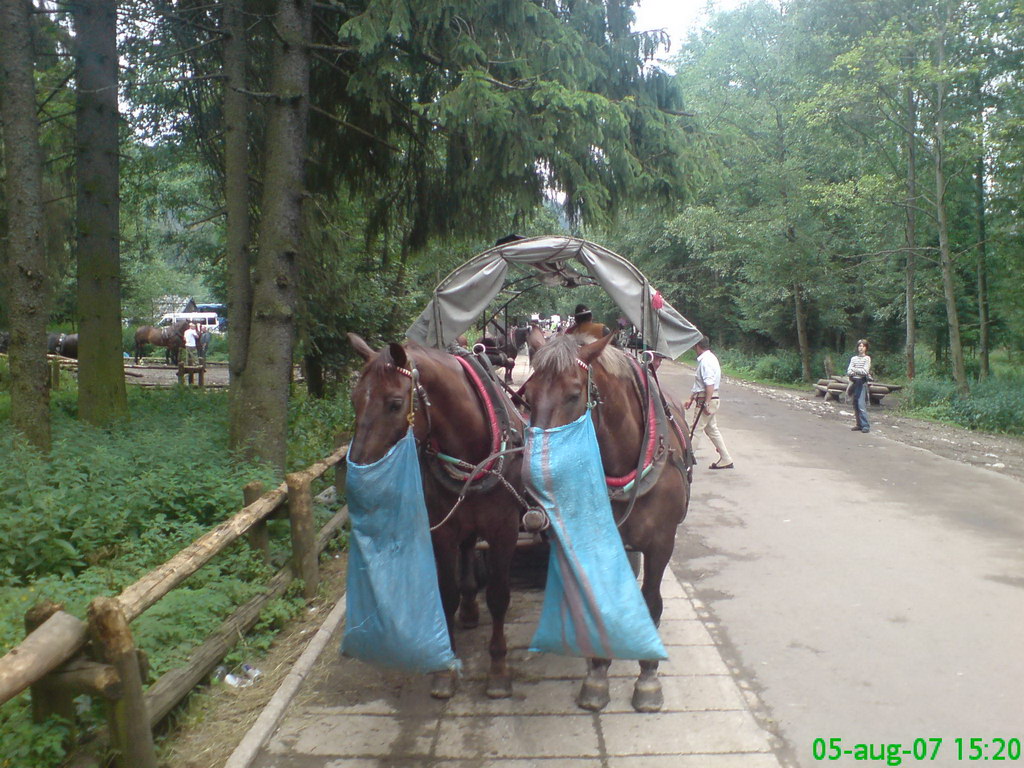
{"points": [[205, 321]]}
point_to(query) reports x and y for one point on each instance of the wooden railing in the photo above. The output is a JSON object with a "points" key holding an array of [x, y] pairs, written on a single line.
{"points": [[64, 656]]}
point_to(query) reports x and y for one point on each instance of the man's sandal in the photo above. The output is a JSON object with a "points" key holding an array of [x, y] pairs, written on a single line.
{"points": [[716, 465]]}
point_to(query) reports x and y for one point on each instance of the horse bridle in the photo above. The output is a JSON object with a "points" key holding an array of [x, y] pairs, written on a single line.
{"points": [[417, 391], [593, 395]]}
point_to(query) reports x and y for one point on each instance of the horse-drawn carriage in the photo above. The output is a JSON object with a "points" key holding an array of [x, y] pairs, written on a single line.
{"points": [[485, 463]]}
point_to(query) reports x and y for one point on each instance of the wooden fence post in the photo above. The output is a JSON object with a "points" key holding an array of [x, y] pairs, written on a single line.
{"points": [[131, 736], [304, 550], [259, 534], [341, 468], [55, 374], [45, 701]]}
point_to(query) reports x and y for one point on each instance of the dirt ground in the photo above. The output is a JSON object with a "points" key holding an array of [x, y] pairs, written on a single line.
{"points": [[153, 373], [216, 718], [209, 726]]}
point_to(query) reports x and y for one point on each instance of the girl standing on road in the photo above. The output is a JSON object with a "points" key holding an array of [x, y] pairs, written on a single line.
{"points": [[859, 372]]}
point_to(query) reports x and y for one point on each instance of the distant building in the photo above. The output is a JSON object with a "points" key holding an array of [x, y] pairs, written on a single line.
{"points": [[170, 304]]}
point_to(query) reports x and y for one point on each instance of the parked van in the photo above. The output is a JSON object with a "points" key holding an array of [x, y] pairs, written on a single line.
{"points": [[205, 321]]}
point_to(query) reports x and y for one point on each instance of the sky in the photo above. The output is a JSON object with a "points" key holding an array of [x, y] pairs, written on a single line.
{"points": [[677, 17]]}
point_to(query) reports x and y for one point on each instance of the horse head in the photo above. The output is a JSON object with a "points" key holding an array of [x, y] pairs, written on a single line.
{"points": [[564, 372], [176, 334], [382, 399]]}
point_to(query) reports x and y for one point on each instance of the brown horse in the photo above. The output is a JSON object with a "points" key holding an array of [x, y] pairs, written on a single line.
{"points": [[572, 374], [172, 337], [457, 428]]}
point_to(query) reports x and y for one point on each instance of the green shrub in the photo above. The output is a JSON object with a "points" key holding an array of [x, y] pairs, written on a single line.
{"points": [[886, 366], [782, 366], [314, 423], [737, 362], [993, 405], [928, 392]]}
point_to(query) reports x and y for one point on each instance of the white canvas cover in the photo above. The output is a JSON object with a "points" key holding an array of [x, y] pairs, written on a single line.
{"points": [[569, 261]]}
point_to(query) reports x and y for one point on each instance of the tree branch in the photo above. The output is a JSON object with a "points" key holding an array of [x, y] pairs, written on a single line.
{"points": [[352, 127]]}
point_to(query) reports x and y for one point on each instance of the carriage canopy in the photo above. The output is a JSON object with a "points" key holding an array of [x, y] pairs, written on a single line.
{"points": [[555, 261]]}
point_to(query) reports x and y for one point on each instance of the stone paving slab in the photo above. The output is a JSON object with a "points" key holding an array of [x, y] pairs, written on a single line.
{"points": [[352, 715]]}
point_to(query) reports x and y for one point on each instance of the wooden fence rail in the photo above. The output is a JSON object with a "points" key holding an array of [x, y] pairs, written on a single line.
{"points": [[63, 656]]}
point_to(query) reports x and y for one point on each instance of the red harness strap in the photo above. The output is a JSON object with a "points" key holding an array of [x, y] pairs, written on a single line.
{"points": [[652, 439], [489, 408]]}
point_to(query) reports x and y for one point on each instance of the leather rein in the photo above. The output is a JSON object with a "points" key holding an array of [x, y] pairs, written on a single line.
{"points": [[654, 445], [458, 475]]}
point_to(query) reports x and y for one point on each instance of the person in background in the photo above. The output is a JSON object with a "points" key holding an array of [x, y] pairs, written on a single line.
{"points": [[191, 344], [204, 344], [706, 382], [583, 323], [859, 371]]}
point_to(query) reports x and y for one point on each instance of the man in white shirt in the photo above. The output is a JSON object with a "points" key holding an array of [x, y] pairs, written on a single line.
{"points": [[191, 341], [705, 394]]}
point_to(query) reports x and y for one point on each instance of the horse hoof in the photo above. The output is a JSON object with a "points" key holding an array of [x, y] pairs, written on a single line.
{"points": [[469, 619], [499, 687], [647, 696], [593, 696], [442, 685]]}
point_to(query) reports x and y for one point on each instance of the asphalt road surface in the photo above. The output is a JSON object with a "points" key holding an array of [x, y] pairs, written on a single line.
{"points": [[867, 590]]}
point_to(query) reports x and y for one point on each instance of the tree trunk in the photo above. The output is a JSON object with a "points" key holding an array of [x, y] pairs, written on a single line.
{"points": [[945, 254], [236, 196], [801, 332], [911, 235], [28, 291], [101, 391], [982, 253], [262, 406]]}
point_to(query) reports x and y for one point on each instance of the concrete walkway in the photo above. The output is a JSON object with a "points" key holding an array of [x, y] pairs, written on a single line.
{"points": [[350, 715]]}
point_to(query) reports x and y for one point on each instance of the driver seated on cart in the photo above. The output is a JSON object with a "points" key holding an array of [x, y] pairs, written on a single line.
{"points": [[584, 325]]}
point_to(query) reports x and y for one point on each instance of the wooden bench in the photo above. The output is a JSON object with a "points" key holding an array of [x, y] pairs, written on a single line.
{"points": [[834, 387]]}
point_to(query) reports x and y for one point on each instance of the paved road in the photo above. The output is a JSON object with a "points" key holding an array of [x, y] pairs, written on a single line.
{"points": [[867, 590], [351, 715]]}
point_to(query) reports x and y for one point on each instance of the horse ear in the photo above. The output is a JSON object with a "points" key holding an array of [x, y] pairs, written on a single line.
{"points": [[590, 352], [398, 354], [535, 341], [361, 347]]}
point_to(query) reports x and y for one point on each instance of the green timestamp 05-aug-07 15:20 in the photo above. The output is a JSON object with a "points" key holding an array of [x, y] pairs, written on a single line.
{"points": [[995, 749]]}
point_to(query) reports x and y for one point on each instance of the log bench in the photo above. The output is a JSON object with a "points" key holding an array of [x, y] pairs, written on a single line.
{"points": [[834, 387]]}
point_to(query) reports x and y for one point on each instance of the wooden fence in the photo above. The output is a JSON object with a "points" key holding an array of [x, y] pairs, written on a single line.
{"points": [[63, 656]]}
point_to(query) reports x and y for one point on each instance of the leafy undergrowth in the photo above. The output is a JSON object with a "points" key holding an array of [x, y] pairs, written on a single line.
{"points": [[108, 505], [994, 405]]}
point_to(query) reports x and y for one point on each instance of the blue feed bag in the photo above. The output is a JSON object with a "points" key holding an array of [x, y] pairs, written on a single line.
{"points": [[394, 616], [592, 603]]}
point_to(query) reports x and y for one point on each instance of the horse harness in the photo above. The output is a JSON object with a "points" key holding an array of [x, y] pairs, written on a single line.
{"points": [[655, 452], [454, 474]]}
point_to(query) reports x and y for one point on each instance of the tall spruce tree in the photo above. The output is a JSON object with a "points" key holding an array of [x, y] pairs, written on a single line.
{"points": [[101, 389], [25, 257]]}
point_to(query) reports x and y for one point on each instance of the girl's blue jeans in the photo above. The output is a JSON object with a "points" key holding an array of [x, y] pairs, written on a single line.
{"points": [[860, 403]]}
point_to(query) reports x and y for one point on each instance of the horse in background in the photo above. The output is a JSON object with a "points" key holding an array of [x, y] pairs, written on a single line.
{"points": [[68, 346], [572, 374], [64, 344], [535, 339], [172, 337], [457, 432]]}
